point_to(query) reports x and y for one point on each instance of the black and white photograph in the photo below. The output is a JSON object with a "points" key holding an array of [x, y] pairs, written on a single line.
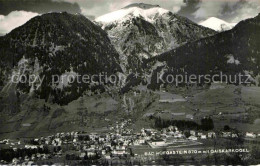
{"points": [[129, 82]]}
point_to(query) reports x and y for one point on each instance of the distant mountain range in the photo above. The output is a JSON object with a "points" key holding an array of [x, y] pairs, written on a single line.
{"points": [[217, 24], [138, 38]]}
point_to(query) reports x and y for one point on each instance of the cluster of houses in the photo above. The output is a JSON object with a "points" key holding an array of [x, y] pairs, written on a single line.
{"points": [[116, 143], [236, 135], [251, 135], [200, 135], [30, 160], [37, 152], [169, 136]]}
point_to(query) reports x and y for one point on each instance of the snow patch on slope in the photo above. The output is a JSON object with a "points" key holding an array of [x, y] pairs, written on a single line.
{"points": [[232, 60]]}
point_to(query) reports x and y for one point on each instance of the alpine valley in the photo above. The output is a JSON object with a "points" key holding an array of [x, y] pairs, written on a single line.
{"points": [[139, 38]]}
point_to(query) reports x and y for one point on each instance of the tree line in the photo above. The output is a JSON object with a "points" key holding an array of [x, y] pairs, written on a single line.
{"points": [[206, 124]]}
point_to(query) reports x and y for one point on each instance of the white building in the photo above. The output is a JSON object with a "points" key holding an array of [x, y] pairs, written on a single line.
{"points": [[226, 134], [203, 136], [157, 143], [193, 138], [192, 132], [250, 135], [211, 135]]}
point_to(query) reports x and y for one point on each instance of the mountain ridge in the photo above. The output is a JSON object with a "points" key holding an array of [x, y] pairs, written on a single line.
{"points": [[59, 44], [231, 52], [140, 33]]}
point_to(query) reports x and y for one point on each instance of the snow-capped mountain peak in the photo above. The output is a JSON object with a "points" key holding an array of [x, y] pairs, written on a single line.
{"points": [[217, 24], [141, 31], [134, 10]]}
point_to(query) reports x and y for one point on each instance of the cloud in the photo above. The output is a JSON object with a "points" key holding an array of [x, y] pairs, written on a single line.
{"points": [[229, 10], [213, 8], [100, 7], [14, 19], [196, 10], [248, 9], [177, 5], [38, 6]]}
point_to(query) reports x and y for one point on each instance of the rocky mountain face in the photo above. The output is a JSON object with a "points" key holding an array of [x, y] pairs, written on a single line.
{"points": [[54, 47], [231, 52], [141, 31]]}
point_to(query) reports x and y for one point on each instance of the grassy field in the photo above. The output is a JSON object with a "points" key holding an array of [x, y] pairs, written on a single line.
{"points": [[236, 106]]}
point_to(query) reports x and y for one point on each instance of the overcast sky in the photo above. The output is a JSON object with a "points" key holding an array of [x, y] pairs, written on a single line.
{"points": [[14, 13]]}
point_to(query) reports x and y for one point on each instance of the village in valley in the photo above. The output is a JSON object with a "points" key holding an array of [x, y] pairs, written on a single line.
{"points": [[120, 145], [164, 128]]}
